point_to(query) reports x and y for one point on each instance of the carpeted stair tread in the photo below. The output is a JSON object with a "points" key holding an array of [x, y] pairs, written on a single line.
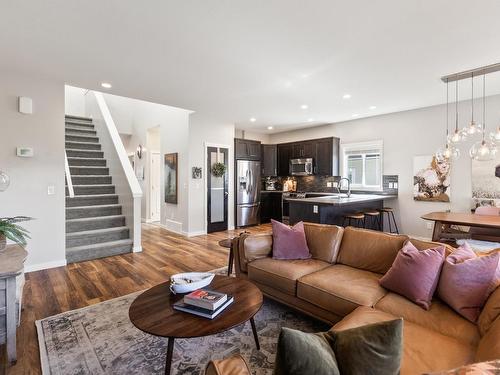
{"points": [[84, 153], [80, 131], [81, 138], [88, 170], [93, 211], [91, 180], [82, 145], [91, 200], [80, 118], [96, 189], [101, 250], [97, 236], [91, 223], [78, 161]]}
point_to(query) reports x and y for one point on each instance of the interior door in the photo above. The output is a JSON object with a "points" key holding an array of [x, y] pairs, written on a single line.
{"points": [[155, 197], [217, 191]]}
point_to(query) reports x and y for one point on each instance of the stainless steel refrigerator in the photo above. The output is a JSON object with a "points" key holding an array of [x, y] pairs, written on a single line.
{"points": [[247, 192]]}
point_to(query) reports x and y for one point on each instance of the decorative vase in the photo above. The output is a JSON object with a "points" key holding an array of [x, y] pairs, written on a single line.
{"points": [[3, 243]]}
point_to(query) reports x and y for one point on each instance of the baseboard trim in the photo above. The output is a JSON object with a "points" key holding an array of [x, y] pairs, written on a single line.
{"points": [[137, 249], [195, 233], [46, 265]]}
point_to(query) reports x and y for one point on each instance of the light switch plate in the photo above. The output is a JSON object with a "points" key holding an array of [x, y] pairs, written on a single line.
{"points": [[25, 105], [395, 185], [429, 225], [328, 184], [51, 190]]}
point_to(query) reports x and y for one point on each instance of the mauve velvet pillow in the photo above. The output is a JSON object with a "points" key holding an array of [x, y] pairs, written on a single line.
{"points": [[289, 242], [415, 273], [466, 279]]}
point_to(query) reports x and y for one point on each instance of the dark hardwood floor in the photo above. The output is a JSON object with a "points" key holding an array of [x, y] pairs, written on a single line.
{"points": [[56, 290]]}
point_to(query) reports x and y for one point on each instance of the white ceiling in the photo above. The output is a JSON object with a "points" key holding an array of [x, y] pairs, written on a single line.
{"points": [[234, 59]]}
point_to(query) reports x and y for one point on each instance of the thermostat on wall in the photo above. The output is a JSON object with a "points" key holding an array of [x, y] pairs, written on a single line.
{"points": [[25, 152], [25, 105]]}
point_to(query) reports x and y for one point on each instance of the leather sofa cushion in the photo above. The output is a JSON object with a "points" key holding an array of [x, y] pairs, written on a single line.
{"points": [[424, 350], [489, 346], [340, 288], [253, 246], [369, 250], [283, 274], [440, 317], [490, 312], [323, 241]]}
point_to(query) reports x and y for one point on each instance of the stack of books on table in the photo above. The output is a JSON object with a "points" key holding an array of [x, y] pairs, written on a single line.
{"points": [[204, 302]]}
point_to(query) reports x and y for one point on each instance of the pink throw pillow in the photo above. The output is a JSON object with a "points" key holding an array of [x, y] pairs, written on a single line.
{"points": [[415, 274], [466, 280], [289, 242]]}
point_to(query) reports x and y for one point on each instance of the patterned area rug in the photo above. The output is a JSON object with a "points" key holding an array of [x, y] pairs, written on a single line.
{"points": [[100, 339]]}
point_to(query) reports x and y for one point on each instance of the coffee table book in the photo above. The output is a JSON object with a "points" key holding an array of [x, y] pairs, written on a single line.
{"points": [[205, 298], [200, 311]]}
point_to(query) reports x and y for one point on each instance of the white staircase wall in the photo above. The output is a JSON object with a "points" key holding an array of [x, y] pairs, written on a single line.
{"points": [[123, 177]]}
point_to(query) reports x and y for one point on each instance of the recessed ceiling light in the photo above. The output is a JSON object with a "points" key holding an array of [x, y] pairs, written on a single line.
{"points": [[355, 115], [270, 128], [106, 85], [310, 120], [253, 119], [304, 106], [346, 96], [373, 107]]}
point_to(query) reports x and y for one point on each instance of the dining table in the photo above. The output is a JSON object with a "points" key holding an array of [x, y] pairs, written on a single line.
{"points": [[442, 221]]}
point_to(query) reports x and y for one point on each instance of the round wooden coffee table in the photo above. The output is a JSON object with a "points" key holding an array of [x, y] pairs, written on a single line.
{"points": [[152, 312]]}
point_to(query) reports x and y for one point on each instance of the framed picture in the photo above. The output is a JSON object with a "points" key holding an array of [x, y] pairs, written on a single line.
{"points": [[486, 182], [196, 172], [171, 178], [431, 179]]}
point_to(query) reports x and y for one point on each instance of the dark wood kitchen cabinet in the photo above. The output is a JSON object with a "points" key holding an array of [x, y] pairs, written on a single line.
{"points": [[270, 206], [269, 159], [302, 150], [284, 155], [246, 149], [326, 162]]}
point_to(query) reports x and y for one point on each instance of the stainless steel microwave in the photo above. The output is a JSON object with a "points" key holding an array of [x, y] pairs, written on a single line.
{"points": [[301, 167]]}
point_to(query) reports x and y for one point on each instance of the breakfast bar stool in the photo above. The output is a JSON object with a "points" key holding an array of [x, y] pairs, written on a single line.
{"points": [[358, 219], [374, 217], [390, 215]]}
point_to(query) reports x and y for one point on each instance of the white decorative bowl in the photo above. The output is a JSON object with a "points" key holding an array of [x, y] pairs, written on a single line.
{"points": [[189, 281]]}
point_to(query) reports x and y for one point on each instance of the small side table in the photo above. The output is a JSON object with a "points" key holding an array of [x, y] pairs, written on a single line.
{"points": [[11, 266], [228, 243]]}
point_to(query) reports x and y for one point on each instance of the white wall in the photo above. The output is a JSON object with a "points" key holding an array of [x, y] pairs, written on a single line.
{"points": [[74, 100], [30, 177], [405, 135], [203, 131]]}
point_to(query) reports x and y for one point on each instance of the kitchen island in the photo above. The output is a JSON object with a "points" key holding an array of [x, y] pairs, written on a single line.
{"points": [[331, 208]]}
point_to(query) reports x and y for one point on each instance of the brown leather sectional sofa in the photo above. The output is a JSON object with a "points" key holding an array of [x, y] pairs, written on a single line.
{"points": [[339, 285]]}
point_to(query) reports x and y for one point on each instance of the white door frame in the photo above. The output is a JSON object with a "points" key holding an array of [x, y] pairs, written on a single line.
{"points": [[205, 182], [150, 185]]}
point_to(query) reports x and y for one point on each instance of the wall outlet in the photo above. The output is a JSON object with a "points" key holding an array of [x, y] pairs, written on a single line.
{"points": [[429, 225], [335, 184], [391, 185], [51, 190], [329, 184], [315, 209], [395, 185]]}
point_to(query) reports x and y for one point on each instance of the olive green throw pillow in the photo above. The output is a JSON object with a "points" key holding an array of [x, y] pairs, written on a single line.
{"points": [[302, 353], [374, 349]]}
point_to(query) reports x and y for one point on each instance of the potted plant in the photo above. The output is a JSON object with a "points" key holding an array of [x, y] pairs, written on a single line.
{"points": [[9, 229]]}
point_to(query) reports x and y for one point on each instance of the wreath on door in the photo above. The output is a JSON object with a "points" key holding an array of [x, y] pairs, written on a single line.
{"points": [[218, 169]]}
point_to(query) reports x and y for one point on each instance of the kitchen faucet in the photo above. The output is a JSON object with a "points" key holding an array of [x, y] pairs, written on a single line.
{"points": [[339, 184]]}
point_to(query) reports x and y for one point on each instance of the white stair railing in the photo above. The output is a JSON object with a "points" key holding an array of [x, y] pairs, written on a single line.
{"points": [[68, 176]]}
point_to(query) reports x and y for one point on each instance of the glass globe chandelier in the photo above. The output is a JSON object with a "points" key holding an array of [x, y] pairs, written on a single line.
{"points": [[459, 135], [495, 137], [473, 128], [4, 181], [449, 151], [483, 150]]}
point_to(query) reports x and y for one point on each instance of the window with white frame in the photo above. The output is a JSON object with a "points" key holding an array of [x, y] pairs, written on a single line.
{"points": [[362, 164]]}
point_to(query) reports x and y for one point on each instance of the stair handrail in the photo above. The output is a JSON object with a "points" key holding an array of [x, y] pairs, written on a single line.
{"points": [[69, 181]]}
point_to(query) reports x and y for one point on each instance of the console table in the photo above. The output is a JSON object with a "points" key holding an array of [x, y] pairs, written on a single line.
{"points": [[11, 284]]}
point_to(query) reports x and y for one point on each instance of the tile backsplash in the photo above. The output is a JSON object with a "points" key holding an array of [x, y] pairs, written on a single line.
{"points": [[318, 183]]}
